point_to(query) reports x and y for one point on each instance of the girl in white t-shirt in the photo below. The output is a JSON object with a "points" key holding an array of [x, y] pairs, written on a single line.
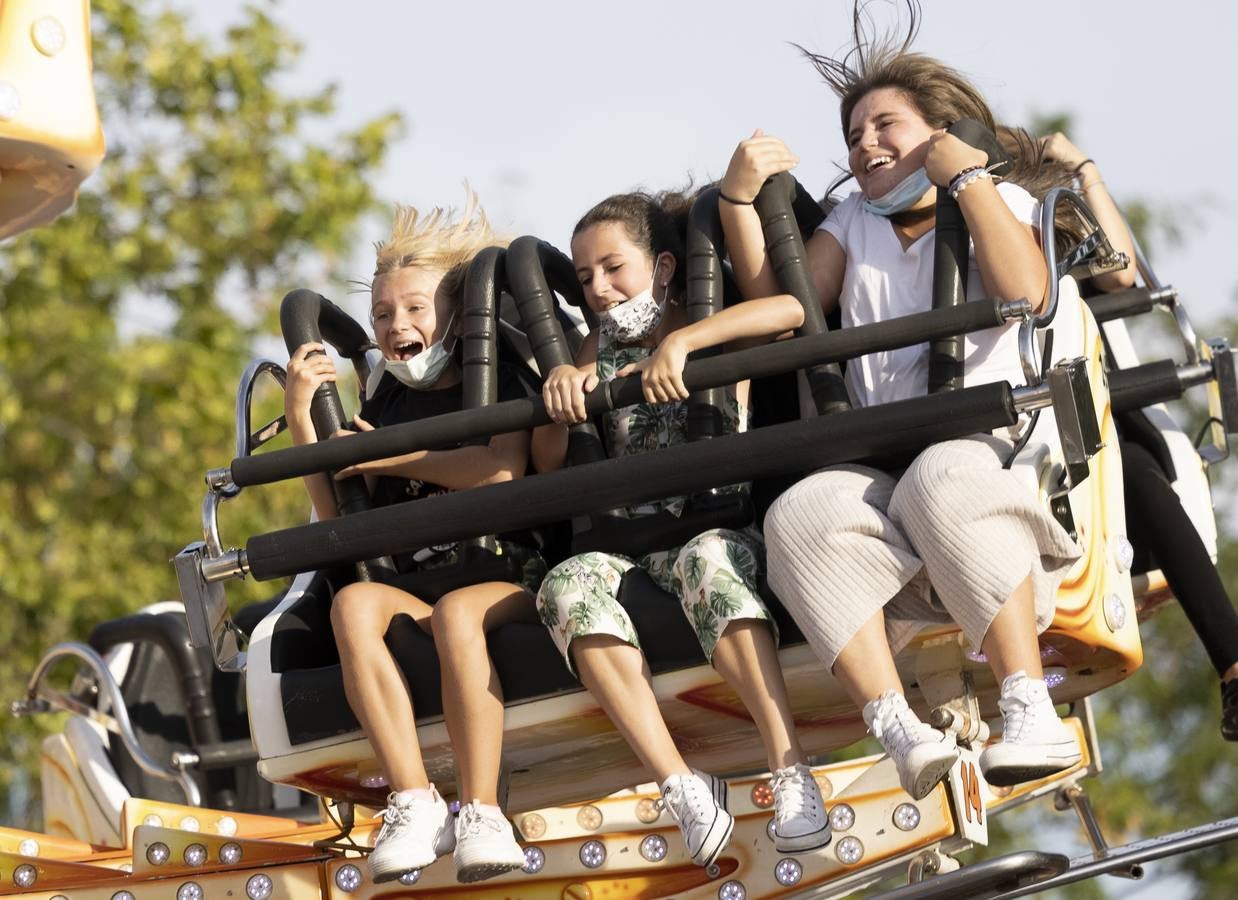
{"points": [[863, 558]]}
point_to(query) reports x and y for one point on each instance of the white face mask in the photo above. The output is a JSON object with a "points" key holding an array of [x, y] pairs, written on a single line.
{"points": [[902, 195], [634, 318], [420, 372]]}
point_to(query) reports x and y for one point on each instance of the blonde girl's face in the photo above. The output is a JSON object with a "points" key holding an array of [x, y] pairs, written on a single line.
{"points": [[612, 269], [408, 311], [887, 140]]}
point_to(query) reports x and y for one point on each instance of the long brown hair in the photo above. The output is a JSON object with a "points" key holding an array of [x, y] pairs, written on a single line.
{"points": [[942, 95]]}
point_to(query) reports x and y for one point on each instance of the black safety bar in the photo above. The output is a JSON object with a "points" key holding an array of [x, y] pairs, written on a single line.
{"points": [[514, 415], [951, 249], [534, 267], [1121, 304], [306, 317], [479, 328], [705, 295], [792, 447], [776, 205]]}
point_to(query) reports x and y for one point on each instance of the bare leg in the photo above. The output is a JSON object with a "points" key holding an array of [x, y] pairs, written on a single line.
{"points": [[1010, 643], [747, 658], [617, 676], [472, 696], [1230, 674], [866, 666], [373, 683]]}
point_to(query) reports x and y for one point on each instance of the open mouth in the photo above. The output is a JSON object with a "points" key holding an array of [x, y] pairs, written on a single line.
{"points": [[407, 349], [879, 162]]}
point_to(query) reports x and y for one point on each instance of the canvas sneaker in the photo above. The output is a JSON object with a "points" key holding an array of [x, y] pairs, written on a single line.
{"points": [[1035, 742], [800, 821], [922, 754], [705, 824], [417, 830], [485, 844]]}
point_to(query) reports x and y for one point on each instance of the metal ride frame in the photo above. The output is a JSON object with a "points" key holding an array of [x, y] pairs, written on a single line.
{"points": [[203, 567]]}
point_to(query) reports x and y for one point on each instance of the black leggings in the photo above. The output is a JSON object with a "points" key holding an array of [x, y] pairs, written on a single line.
{"points": [[1159, 526]]}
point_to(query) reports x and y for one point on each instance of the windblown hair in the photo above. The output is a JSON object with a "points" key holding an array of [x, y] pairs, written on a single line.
{"points": [[1038, 176], [939, 93], [656, 223], [441, 240]]}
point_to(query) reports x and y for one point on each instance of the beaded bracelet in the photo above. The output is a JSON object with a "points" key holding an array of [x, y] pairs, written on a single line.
{"points": [[966, 177]]}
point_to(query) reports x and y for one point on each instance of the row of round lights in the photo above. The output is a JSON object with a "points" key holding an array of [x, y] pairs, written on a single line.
{"points": [[159, 853]]}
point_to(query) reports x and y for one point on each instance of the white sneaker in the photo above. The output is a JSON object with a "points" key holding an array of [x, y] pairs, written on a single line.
{"points": [[1035, 742], [706, 826], [923, 755], [485, 845], [416, 831], [800, 821], [717, 787]]}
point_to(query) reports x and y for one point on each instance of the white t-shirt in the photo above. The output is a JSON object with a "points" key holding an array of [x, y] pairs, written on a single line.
{"points": [[883, 281]]}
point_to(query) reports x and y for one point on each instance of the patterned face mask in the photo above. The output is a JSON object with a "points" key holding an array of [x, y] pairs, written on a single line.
{"points": [[634, 318]]}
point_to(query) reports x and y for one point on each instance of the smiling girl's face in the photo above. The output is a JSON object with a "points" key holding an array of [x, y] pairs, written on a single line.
{"points": [[408, 311], [887, 140], [612, 269]]}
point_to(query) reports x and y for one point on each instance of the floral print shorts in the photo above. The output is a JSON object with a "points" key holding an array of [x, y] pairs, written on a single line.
{"points": [[714, 576]]}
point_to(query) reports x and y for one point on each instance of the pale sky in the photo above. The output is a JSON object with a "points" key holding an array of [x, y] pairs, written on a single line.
{"points": [[548, 106]]}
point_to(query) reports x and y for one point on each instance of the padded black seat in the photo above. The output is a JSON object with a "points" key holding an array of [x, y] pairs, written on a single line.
{"points": [[528, 665]]}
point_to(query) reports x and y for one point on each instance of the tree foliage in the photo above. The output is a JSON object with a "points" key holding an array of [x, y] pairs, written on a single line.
{"points": [[124, 325]]}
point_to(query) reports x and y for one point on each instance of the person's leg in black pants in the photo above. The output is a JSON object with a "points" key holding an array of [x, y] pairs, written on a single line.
{"points": [[1157, 523]]}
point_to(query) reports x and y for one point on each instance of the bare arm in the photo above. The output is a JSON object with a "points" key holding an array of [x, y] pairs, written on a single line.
{"points": [[662, 371], [1007, 251], [564, 394], [754, 160], [1092, 187], [305, 374], [503, 459]]}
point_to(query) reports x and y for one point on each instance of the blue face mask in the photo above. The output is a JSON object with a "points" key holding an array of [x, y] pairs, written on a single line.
{"points": [[902, 195]]}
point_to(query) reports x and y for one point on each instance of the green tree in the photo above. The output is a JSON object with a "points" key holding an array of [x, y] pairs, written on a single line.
{"points": [[219, 192]]}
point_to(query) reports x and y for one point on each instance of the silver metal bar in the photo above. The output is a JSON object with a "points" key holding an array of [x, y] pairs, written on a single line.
{"points": [[120, 713], [1027, 399], [233, 564], [1084, 867], [244, 396], [1076, 798]]}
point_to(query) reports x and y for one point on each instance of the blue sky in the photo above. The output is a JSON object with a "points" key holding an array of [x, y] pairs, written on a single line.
{"points": [[548, 106]]}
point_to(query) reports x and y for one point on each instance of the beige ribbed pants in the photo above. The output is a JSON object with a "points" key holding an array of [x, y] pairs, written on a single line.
{"points": [[948, 540]]}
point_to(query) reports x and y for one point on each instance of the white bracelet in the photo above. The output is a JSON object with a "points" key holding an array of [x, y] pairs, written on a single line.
{"points": [[967, 179]]}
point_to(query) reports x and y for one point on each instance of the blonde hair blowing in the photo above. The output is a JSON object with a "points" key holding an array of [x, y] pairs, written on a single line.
{"points": [[440, 240]]}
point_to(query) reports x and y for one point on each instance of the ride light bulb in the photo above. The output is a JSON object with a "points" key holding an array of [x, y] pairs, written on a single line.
{"points": [[1054, 676], [411, 877], [259, 887], [157, 853], [190, 890], [24, 876], [348, 878], [733, 890], [195, 855], [850, 851], [592, 854], [534, 860], [653, 847], [28, 847], [842, 817], [230, 854], [788, 872], [906, 817]]}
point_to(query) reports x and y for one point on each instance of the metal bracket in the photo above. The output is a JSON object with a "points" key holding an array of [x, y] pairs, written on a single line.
{"points": [[1222, 399], [1075, 411], [206, 609]]}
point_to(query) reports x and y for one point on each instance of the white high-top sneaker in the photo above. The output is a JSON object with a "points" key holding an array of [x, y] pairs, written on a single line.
{"points": [[922, 754], [1035, 742], [416, 831], [706, 826], [800, 821], [485, 845]]}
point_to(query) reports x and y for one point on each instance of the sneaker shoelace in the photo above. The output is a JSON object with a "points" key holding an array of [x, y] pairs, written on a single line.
{"points": [[681, 803], [472, 821], [793, 784], [898, 728], [1018, 718]]}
